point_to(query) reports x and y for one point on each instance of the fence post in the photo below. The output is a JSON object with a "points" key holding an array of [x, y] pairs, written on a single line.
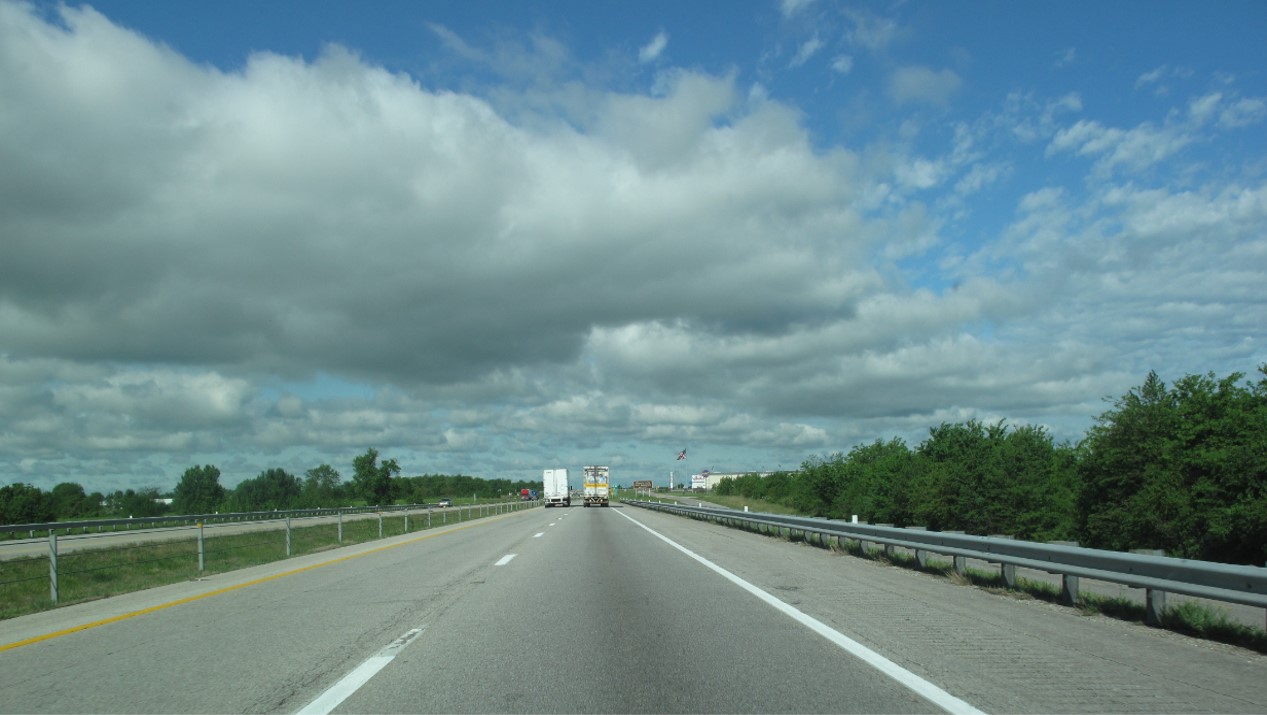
{"points": [[428, 516], [1069, 590], [1154, 606], [287, 537], [340, 527], [202, 550], [52, 565], [1006, 571], [406, 521], [380, 524], [921, 556]]}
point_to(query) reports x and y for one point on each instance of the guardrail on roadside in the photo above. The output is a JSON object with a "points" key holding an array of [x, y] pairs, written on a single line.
{"points": [[1157, 575], [193, 519], [188, 522]]}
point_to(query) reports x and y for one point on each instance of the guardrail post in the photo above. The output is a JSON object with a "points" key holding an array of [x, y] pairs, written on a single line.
{"points": [[921, 556], [961, 562], [1154, 606], [888, 548], [202, 550], [52, 566], [1069, 590], [1006, 571]]}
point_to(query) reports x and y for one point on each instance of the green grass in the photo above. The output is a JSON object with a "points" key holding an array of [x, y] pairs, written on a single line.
{"points": [[92, 574]]}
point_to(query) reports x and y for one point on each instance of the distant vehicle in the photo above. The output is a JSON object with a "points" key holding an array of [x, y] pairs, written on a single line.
{"points": [[557, 491], [596, 488], [446, 502], [528, 494]]}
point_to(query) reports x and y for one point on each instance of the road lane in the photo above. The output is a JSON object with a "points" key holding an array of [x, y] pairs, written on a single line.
{"points": [[1000, 652], [268, 647], [600, 616], [628, 622]]}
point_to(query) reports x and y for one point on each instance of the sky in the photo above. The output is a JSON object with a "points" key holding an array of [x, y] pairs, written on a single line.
{"points": [[492, 238]]}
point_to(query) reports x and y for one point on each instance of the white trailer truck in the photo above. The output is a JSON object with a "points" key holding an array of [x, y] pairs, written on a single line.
{"points": [[556, 491], [596, 489]]}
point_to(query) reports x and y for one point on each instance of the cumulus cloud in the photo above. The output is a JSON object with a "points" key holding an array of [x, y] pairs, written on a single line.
{"points": [[291, 261]]}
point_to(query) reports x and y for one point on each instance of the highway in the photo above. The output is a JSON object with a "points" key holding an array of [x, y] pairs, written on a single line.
{"points": [[606, 611]]}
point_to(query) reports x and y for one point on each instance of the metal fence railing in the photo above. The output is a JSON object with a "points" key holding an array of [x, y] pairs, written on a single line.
{"points": [[1157, 575], [193, 527]]}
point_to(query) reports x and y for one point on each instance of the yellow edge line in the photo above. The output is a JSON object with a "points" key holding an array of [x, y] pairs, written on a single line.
{"points": [[227, 589]]}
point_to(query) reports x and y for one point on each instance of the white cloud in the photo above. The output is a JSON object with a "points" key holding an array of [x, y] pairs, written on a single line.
{"points": [[653, 49], [842, 64], [1134, 149], [1243, 112], [291, 261], [807, 50], [922, 84], [790, 8]]}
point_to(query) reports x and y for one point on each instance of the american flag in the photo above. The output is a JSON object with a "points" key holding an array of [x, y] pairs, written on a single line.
{"points": [[682, 454]]}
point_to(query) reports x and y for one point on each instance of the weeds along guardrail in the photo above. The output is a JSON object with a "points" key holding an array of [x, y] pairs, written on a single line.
{"points": [[1157, 575], [181, 547]]}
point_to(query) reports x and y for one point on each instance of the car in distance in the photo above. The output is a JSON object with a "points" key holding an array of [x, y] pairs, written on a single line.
{"points": [[445, 502]]}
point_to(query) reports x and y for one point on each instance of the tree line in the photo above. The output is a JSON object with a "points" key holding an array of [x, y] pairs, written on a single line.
{"points": [[374, 482], [1181, 468]]}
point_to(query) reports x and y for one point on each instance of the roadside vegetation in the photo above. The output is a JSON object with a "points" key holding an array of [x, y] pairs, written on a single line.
{"points": [[374, 482], [91, 574], [1181, 468]]}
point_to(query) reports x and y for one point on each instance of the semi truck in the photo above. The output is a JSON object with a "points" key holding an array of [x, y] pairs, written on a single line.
{"points": [[596, 489], [557, 491]]}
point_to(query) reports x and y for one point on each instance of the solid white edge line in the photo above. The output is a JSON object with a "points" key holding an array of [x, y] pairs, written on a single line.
{"points": [[913, 682], [352, 682], [505, 560]]}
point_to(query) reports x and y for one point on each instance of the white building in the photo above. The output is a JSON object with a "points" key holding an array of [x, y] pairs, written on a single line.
{"points": [[708, 480]]}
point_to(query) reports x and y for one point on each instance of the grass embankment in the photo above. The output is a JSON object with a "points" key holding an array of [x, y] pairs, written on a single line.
{"points": [[1194, 619], [90, 574]]}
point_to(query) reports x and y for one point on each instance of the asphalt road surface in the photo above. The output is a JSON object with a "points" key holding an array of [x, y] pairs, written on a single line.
{"points": [[601, 610]]}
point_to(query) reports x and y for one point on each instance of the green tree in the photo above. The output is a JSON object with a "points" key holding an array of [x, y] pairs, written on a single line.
{"points": [[372, 480], [199, 491], [321, 487], [24, 504], [133, 503], [1182, 469], [69, 502], [272, 489]]}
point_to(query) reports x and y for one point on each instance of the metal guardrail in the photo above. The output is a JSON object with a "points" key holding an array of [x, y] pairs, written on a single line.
{"points": [[194, 519], [264, 519], [1158, 575]]}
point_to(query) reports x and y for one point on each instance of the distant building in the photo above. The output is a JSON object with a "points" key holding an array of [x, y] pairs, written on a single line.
{"points": [[709, 480]]}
